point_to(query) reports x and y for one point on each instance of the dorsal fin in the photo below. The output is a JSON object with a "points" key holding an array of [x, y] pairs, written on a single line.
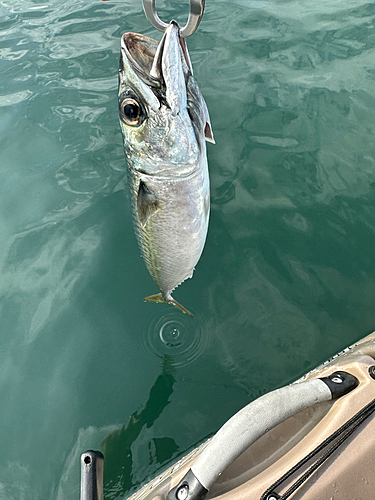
{"points": [[208, 134]]}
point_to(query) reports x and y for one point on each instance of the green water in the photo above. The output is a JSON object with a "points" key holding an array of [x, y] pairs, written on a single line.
{"points": [[287, 277]]}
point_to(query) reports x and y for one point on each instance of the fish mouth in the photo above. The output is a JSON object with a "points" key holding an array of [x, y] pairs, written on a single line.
{"points": [[164, 66], [140, 50]]}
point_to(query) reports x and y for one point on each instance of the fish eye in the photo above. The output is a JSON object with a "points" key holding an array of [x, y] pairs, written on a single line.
{"points": [[131, 112]]}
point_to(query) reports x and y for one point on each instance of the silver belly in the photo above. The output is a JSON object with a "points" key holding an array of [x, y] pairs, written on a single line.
{"points": [[173, 237]]}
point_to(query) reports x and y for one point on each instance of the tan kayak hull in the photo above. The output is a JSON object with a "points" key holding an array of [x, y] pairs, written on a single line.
{"points": [[347, 475]]}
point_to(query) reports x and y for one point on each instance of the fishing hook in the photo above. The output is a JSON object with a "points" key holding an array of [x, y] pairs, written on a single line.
{"points": [[195, 16]]}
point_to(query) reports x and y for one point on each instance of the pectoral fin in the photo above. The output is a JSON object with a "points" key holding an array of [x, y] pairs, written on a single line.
{"points": [[147, 203]]}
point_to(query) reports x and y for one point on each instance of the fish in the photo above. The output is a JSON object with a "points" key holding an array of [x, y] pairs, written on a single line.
{"points": [[165, 125]]}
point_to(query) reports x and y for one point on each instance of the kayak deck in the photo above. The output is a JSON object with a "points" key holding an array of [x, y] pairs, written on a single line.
{"points": [[345, 475]]}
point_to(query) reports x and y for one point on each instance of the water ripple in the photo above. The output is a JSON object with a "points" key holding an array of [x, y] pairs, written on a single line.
{"points": [[16, 98], [183, 339]]}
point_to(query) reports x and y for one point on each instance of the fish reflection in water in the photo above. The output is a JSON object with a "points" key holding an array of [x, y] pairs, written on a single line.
{"points": [[117, 446]]}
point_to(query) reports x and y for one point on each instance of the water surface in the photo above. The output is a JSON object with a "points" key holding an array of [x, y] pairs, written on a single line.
{"points": [[287, 277]]}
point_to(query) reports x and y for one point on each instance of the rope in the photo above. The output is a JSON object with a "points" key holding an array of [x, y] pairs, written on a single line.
{"points": [[341, 434]]}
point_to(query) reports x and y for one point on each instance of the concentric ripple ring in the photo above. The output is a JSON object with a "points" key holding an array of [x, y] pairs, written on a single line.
{"points": [[182, 339]]}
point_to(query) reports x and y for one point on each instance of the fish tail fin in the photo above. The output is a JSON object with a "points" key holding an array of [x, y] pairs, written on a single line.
{"points": [[158, 297], [155, 298], [179, 306]]}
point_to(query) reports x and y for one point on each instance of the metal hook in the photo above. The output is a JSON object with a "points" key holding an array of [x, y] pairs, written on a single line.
{"points": [[195, 16]]}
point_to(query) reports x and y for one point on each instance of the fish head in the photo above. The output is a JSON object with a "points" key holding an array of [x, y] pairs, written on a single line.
{"points": [[163, 116]]}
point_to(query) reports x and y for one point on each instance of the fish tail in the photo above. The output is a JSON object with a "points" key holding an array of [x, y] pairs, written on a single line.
{"points": [[158, 297], [179, 306]]}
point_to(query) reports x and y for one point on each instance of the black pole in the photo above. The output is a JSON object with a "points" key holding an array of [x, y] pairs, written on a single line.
{"points": [[92, 468]]}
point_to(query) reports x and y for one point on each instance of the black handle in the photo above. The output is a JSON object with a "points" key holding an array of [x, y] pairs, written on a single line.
{"points": [[340, 383], [92, 469], [187, 489]]}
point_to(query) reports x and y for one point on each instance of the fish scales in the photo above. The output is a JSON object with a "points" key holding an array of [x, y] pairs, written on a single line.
{"points": [[181, 225]]}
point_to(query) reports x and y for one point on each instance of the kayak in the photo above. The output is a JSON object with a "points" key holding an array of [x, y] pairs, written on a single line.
{"points": [[313, 439]]}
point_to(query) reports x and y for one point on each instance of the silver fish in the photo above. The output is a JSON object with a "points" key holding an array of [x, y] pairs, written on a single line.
{"points": [[165, 122]]}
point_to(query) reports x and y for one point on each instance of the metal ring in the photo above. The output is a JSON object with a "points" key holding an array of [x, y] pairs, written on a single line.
{"points": [[195, 16]]}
